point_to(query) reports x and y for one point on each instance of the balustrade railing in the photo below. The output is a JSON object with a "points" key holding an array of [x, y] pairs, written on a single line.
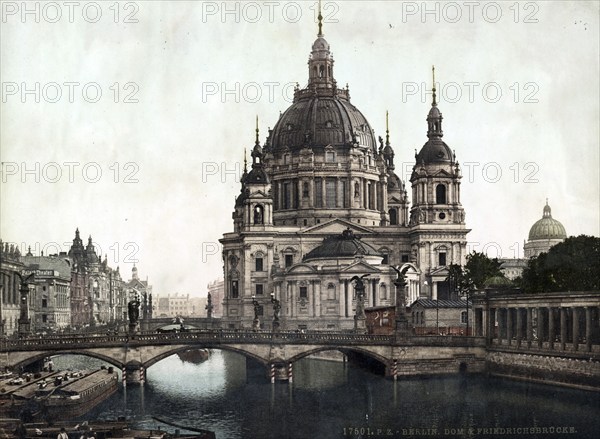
{"points": [[215, 337]]}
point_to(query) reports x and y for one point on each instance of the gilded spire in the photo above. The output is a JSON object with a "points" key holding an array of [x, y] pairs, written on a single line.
{"points": [[257, 142], [434, 103], [320, 17], [387, 128]]}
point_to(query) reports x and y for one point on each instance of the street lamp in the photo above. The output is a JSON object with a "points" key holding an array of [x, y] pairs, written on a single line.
{"points": [[360, 317], [402, 328]]}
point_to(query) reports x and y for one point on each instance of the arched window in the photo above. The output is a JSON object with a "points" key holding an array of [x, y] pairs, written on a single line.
{"points": [[393, 217], [383, 290], [321, 71], [259, 214], [440, 194]]}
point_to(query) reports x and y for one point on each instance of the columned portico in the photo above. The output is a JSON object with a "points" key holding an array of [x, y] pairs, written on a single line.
{"points": [[561, 322]]}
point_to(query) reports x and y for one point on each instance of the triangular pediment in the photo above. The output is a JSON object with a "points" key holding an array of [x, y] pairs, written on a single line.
{"points": [[360, 267], [301, 268], [442, 173], [337, 226], [440, 271]]}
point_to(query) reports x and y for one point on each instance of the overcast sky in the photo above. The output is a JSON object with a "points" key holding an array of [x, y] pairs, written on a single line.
{"points": [[150, 167]]}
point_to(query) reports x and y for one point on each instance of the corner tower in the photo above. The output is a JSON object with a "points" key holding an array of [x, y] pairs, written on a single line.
{"points": [[254, 206], [437, 218]]}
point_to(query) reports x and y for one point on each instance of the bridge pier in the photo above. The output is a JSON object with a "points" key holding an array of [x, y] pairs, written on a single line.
{"points": [[134, 374], [279, 372]]}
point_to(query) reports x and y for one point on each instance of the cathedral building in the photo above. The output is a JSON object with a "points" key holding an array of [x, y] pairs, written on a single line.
{"points": [[321, 204]]}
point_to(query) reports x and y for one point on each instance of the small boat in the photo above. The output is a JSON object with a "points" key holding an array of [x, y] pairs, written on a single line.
{"points": [[72, 396]]}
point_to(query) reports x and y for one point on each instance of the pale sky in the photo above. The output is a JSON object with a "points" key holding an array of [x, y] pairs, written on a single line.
{"points": [[200, 76]]}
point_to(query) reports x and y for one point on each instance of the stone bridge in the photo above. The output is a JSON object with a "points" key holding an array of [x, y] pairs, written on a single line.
{"points": [[277, 351]]}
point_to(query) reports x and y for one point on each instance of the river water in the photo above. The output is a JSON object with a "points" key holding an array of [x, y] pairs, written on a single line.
{"points": [[334, 400]]}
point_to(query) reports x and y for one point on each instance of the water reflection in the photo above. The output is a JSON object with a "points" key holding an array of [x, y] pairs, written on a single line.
{"points": [[326, 397]]}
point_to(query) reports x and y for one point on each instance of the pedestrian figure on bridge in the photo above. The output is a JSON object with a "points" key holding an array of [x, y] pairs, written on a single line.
{"points": [[63, 434]]}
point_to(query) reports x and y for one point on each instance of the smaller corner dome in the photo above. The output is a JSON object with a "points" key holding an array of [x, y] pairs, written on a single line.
{"points": [[434, 112], [547, 227], [257, 176], [435, 150], [320, 44], [345, 245]]}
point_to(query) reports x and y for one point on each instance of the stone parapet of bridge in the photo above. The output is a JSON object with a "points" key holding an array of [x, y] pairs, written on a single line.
{"points": [[405, 356]]}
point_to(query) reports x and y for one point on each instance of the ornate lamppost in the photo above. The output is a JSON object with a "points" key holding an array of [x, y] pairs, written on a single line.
{"points": [[402, 327], [209, 306], [133, 311], [276, 309], [24, 319], [360, 319]]}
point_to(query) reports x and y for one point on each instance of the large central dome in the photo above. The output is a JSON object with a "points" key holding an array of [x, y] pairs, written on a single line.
{"points": [[321, 113], [317, 120]]}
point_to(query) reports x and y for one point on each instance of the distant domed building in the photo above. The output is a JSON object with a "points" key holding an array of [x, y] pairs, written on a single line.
{"points": [[544, 234], [322, 204]]}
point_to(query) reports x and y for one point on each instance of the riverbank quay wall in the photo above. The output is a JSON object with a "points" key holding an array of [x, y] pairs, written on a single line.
{"points": [[547, 337]]}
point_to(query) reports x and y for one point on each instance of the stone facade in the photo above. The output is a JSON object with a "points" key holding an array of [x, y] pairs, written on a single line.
{"points": [[97, 290], [322, 172], [10, 282], [50, 296]]}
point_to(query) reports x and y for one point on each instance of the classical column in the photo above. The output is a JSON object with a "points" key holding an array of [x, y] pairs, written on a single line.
{"points": [[519, 326], [342, 298], [563, 328], [293, 297], [575, 328], [501, 324], [588, 329], [529, 327], [540, 326], [317, 292], [491, 325], [477, 315], [551, 334], [509, 325]]}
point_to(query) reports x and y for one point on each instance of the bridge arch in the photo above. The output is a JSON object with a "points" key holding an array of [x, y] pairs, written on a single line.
{"points": [[181, 348], [40, 356], [364, 351]]}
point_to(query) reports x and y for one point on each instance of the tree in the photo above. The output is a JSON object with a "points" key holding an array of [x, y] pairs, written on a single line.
{"points": [[458, 281], [572, 265], [480, 268]]}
